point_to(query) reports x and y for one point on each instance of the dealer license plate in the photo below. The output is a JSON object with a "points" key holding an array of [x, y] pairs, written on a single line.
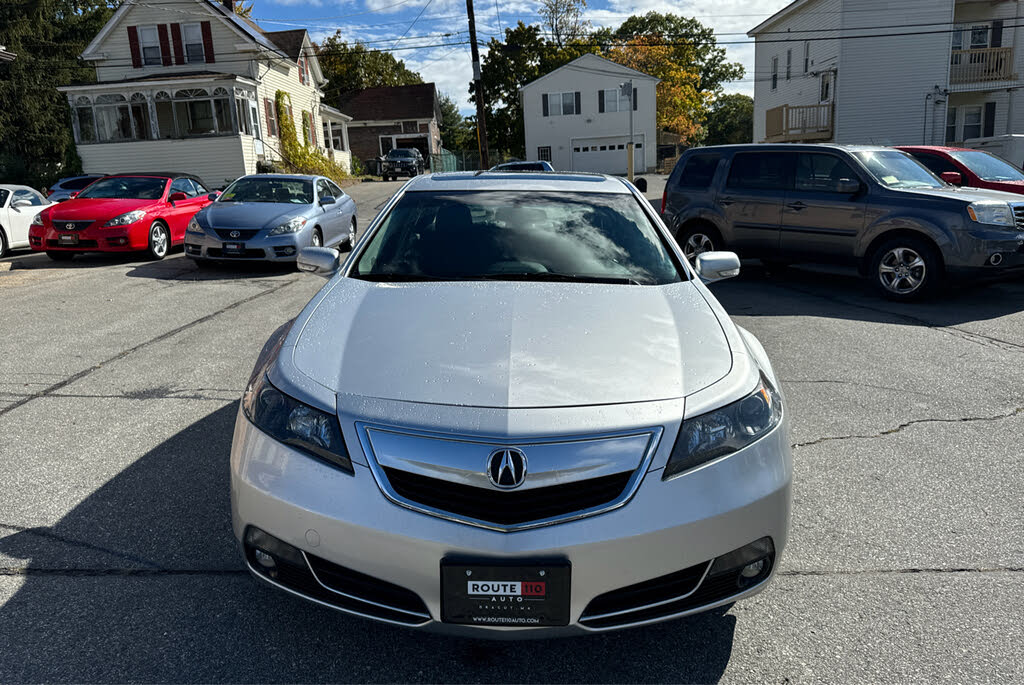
{"points": [[67, 239], [514, 595], [234, 248]]}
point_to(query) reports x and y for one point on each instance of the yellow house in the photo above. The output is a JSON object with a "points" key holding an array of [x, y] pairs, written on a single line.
{"points": [[188, 85]]}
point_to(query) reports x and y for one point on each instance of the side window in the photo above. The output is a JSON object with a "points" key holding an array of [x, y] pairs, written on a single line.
{"points": [[3, 196], [761, 171], [821, 173], [200, 190], [336, 191], [699, 171], [29, 195], [936, 164], [182, 185], [323, 190]]}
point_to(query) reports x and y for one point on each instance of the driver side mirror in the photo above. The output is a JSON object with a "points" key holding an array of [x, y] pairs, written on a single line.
{"points": [[326, 200], [322, 261], [17, 204], [176, 197], [641, 184], [952, 178], [73, 195], [847, 186], [717, 266], [212, 197]]}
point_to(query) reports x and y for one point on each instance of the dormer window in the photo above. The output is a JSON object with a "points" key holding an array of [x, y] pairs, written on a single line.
{"points": [[192, 35], [149, 43]]}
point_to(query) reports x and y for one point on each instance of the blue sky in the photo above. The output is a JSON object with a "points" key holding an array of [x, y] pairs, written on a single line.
{"points": [[393, 24]]}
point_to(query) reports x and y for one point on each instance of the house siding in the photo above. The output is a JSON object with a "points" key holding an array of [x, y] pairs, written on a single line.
{"points": [[215, 160]]}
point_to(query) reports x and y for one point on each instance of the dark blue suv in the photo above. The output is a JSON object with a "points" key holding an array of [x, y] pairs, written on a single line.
{"points": [[875, 207]]}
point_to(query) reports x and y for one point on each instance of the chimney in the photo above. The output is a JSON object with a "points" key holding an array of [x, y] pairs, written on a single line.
{"points": [[230, 4]]}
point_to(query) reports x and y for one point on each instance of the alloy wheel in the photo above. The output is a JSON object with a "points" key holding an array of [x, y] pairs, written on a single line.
{"points": [[902, 270], [317, 240], [696, 244], [158, 239]]}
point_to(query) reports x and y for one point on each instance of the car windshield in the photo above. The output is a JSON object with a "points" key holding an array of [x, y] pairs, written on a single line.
{"points": [[126, 188], [987, 166], [895, 169], [401, 154], [295, 191], [518, 235]]}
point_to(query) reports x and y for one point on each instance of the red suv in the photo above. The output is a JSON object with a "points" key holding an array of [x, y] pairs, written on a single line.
{"points": [[121, 213], [976, 168]]}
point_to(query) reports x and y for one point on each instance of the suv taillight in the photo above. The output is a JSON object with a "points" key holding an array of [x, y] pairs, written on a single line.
{"points": [[664, 196]]}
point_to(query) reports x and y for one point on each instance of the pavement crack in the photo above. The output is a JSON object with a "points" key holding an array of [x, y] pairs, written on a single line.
{"points": [[902, 426], [51, 389]]}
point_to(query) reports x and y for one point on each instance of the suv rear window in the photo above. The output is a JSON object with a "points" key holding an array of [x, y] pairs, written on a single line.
{"points": [[698, 171], [78, 183], [761, 171]]}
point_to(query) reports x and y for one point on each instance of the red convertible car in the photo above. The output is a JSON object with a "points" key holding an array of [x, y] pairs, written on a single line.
{"points": [[121, 213]]}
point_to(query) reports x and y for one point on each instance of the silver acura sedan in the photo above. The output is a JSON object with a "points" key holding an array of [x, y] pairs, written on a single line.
{"points": [[515, 410], [270, 217]]}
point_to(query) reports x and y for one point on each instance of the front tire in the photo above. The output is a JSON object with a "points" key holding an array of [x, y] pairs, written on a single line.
{"points": [[697, 239], [905, 268], [159, 241], [3, 243], [60, 256], [317, 240], [352, 234]]}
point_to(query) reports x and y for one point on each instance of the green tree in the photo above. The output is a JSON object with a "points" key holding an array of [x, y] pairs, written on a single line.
{"points": [[456, 131], [694, 45], [349, 68], [731, 120], [36, 142]]}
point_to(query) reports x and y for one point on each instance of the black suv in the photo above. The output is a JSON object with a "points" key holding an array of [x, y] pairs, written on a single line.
{"points": [[402, 160], [872, 206]]}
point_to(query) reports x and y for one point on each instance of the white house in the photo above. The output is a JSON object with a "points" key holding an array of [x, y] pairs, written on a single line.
{"points": [[188, 85], [943, 72], [577, 118]]}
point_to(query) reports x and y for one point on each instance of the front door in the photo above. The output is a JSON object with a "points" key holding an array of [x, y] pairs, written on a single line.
{"points": [[182, 212], [752, 198], [819, 219]]}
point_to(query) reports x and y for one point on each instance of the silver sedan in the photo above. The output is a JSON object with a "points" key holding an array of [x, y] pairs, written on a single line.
{"points": [[515, 410], [270, 217]]}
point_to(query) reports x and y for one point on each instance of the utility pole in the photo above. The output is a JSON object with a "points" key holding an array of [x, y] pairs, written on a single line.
{"points": [[627, 90], [481, 123]]}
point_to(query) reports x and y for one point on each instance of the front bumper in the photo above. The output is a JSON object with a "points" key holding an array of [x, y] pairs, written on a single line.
{"points": [[342, 521], [985, 251], [130, 238], [264, 248]]}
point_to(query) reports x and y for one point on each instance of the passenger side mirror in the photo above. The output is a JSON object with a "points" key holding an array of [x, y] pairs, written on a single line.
{"points": [[212, 197], [326, 200], [847, 186], [176, 197], [641, 184], [322, 261], [73, 195], [952, 178], [717, 266]]}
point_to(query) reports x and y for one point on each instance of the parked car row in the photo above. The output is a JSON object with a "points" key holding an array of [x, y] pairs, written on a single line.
{"points": [[876, 207], [266, 217]]}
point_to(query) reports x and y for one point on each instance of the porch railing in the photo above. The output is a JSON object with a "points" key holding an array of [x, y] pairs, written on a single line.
{"points": [[792, 123], [981, 64]]}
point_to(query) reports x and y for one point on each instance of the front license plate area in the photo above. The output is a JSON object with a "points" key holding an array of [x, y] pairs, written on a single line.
{"points": [[67, 239], [234, 248], [488, 594]]}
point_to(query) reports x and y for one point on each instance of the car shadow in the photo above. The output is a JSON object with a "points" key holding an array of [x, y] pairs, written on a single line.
{"points": [[838, 292], [24, 259], [184, 269], [142, 581]]}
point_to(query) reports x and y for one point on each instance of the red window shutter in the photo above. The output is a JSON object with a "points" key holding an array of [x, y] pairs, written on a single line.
{"points": [[133, 44], [270, 117], [302, 73], [176, 43], [208, 42], [165, 45]]}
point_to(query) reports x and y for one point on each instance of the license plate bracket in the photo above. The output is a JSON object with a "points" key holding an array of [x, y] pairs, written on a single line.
{"points": [[234, 248], [497, 593], [67, 239]]}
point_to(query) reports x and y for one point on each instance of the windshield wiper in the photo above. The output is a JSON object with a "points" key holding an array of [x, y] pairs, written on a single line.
{"points": [[554, 277], [381, 277]]}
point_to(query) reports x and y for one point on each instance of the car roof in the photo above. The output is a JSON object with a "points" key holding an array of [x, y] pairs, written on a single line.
{"points": [[14, 186], [773, 147], [567, 181], [281, 177], [934, 148]]}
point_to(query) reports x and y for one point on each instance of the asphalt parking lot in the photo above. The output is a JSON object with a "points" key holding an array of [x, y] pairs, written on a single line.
{"points": [[119, 382]]}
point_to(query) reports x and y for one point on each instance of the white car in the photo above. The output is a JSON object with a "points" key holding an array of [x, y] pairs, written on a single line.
{"points": [[18, 206]]}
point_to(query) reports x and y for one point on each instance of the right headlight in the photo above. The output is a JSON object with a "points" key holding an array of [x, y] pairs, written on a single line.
{"points": [[295, 424], [194, 227], [992, 213], [725, 430]]}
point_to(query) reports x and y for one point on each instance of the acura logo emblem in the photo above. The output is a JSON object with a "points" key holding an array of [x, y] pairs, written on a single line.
{"points": [[69, 226], [234, 234], [506, 468]]}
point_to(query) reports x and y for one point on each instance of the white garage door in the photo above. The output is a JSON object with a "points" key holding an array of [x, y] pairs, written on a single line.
{"points": [[606, 155]]}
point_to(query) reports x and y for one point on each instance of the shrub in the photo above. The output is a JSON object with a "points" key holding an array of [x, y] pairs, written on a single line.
{"points": [[299, 157]]}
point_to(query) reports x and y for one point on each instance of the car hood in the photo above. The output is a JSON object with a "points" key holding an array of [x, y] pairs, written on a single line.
{"points": [[512, 345], [77, 209], [250, 214], [1015, 187], [967, 194]]}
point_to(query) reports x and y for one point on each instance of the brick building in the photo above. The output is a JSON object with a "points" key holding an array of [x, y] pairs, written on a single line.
{"points": [[393, 116]]}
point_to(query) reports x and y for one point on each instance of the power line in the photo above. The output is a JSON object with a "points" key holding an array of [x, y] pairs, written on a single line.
{"points": [[424, 9]]}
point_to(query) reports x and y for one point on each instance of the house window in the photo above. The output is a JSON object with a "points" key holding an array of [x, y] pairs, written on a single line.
{"points": [[242, 112], [826, 86], [789, 63], [544, 153], [192, 34], [86, 121], [410, 127], [615, 100], [972, 122], [193, 112], [775, 73], [807, 56], [113, 118], [951, 125], [149, 43], [140, 116], [560, 104], [979, 36]]}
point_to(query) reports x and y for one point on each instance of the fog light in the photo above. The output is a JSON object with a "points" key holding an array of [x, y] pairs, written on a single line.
{"points": [[753, 570], [267, 561]]}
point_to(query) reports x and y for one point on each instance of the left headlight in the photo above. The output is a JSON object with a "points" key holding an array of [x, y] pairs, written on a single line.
{"points": [[726, 430], [290, 226], [127, 218], [295, 424], [992, 213]]}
